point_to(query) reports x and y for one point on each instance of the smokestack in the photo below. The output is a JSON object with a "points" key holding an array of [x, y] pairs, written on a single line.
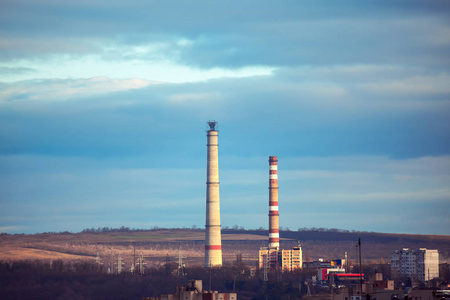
{"points": [[213, 239], [274, 232]]}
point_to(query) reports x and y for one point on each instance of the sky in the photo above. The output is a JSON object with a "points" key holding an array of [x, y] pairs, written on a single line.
{"points": [[104, 104]]}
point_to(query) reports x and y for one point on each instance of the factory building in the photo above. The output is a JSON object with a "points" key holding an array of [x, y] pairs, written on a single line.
{"points": [[193, 291], [418, 264], [324, 274], [374, 288], [320, 264], [213, 238], [272, 257]]}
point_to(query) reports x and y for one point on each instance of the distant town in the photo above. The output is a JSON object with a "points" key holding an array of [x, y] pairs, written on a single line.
{"points": [[124, 263]]}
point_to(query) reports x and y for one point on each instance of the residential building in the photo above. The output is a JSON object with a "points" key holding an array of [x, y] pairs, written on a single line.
{"points": [[418, 264], [285, 260]]}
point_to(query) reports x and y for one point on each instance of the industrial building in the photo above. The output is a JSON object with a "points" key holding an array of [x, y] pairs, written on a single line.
{"points": [[213, 238], [325, 273], [374, 288], [320, 263], [193, 291], [418, 264], [272, 257], [333, 272]]}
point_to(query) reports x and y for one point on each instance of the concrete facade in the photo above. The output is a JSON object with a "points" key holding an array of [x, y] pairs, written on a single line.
{"points": [[275, 258], [291, 259], [268, 257], [213, 238], [418, 264]]}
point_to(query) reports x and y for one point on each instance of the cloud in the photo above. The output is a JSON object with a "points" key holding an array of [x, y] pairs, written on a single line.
{"points": [[193, 97], [63, 89], [322, 114], [13, 70], [222, 35], [149, 70]]}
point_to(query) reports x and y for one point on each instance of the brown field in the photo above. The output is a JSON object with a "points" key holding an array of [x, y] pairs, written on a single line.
{"points": [[166, 245], [157, 246], [21, 253]]}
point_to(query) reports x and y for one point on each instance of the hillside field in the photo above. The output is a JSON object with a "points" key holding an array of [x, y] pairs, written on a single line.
{"points": [[159, 246]]}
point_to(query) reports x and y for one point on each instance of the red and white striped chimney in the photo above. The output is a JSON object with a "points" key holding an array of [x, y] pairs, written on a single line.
{"points": [[274, 232]]}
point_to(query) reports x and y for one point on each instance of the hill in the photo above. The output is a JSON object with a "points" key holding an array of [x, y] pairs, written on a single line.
{"points": [[161, 245]]}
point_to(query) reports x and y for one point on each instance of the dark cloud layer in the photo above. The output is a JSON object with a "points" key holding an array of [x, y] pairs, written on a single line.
{"points": [[236, 34], [289, 118]]}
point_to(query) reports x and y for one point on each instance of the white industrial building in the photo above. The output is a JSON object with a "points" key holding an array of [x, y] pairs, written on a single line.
{"points": [[418, 264]]}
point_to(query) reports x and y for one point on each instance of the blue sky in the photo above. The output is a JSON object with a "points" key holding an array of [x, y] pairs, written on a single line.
{"points": [[104, 104]]}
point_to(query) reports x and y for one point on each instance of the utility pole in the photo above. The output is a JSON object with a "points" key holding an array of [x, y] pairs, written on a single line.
{"points": [[111, 262], [134, 260], [132, 268], [167, 264], [360, 269], [180, 271], [346, 262], [141, 264], [120, 264], [265, 266], [98, 261], [210, 288]]}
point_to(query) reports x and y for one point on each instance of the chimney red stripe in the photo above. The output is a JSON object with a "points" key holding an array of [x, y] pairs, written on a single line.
{"points": [[213, 247]]}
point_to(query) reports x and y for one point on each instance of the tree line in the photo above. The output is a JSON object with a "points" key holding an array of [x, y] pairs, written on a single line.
{"points": [[225, 228], [88, 280]]}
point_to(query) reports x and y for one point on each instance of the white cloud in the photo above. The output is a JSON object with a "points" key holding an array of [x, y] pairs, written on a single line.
{"points": [[60, 89], [194, 97], [155, 71]]}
